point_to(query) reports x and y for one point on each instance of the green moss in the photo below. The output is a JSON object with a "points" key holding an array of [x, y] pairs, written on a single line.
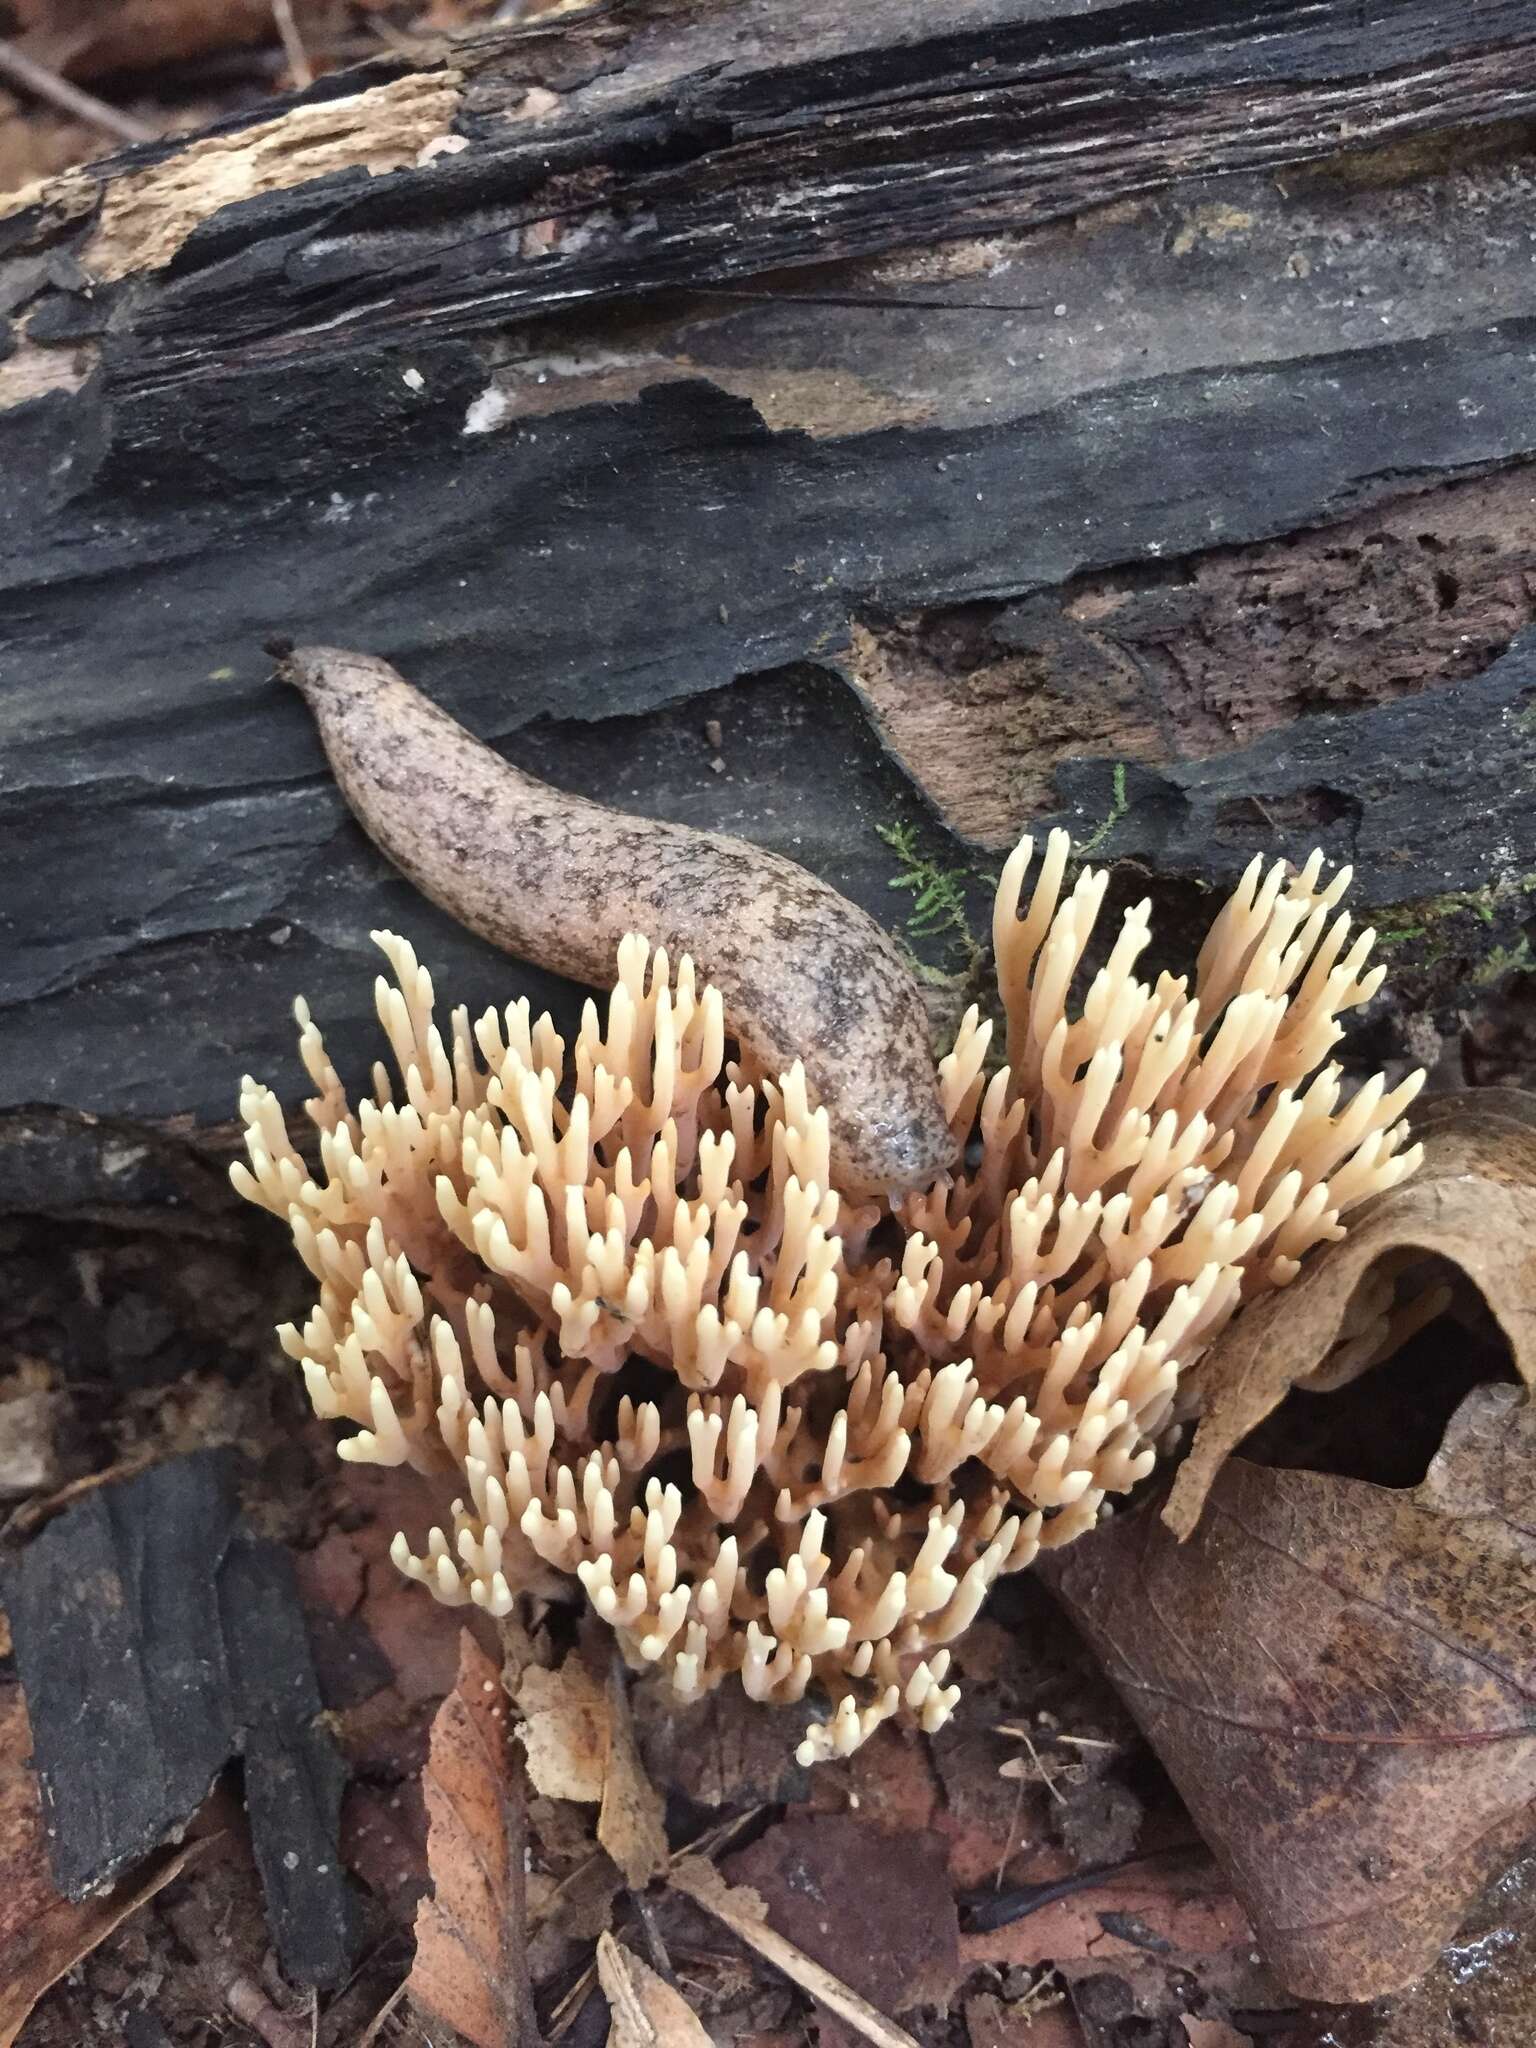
{"points": [[938, 914], [939, 921], [1501, 961], [1086, 848], [1430, 925]]}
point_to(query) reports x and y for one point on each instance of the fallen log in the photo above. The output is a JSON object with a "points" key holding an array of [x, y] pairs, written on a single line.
{"points": [[829, 424]]}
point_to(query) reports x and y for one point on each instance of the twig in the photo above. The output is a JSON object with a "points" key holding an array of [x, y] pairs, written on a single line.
{"points": [[377, 2023], [43, 84], [661, 1962], [1014, 1768], [714, 1838], [1013, 1829], [567, 2011], [303, 72], [702, 1883]]}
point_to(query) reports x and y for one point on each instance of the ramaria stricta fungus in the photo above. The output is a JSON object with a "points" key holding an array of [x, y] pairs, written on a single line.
{"points": [[554, 1275]]}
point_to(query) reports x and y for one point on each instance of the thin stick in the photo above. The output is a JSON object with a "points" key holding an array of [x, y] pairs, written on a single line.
{"points": [[1013, 1829], [43, 84], [376, 2024], [293, 44], [564, 2016], [702, 1883]]}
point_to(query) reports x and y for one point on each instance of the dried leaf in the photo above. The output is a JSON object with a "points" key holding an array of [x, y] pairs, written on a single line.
{"points": [[26, 1887], [38, 1954], [581, 1745], [740, 1909], [1212, 2034], [565, 1730], [727, 1749], [1473, 1202], [1338, 1677], [1187, 1904], [647, 2012], [471, 1962], [894, 1936], [41, 1934], [1026, 2023], [630, 1822]]}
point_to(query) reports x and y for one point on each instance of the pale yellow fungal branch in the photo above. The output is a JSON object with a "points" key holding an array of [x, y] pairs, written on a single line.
{"points": [[611, 1293]]}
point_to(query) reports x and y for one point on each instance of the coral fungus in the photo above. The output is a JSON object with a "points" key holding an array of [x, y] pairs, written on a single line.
{"points": [[772, 1430]]}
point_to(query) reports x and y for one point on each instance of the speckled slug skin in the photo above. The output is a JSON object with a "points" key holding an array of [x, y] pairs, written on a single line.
{"points": [[558, 880]]}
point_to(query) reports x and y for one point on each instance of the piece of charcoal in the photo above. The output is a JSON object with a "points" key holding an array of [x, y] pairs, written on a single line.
{"points": [[294, 1775], [156, 1638]]}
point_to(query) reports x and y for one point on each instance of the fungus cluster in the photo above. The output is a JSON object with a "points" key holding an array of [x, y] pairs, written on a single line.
{"points": [[610, 1293]]}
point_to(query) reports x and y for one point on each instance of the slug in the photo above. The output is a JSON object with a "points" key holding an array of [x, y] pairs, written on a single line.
{"points": [[558, 880]]}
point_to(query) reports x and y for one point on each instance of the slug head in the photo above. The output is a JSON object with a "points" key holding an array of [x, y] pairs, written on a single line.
{"points": [[329, 676], [891, 1146]]}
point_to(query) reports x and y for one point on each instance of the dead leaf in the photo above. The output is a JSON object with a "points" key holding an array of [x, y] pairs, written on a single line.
{"points": [[727, 1749], [26, 1887], [1339, 1678], [471, 1967], [1483, 1989], [647, 2012], [39, 1953], [630, 1822], [1188, 1906], [43, 1951], [1029, 2022], [1473, 1202], [88, 40], [740, 1909], [565, 1730], [581, 1746], [893, 1936], [41, 1934]]}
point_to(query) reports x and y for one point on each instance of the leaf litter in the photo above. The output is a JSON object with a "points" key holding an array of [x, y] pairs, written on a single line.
{"points": [[1339, 1676], [1336, 1674], [471, 1966], [1163, 1945]]}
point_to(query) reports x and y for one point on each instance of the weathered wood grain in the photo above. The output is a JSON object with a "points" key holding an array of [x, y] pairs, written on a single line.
{"points": [[156, 1637], [958, 404]]}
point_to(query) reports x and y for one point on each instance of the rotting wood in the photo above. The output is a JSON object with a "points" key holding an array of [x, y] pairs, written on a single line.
{"points": [[156, 1636], [147, 215], [978, 415]]}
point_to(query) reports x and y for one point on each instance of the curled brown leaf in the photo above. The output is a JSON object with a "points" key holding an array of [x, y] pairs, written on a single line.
{"points": [[471, 1967], [1473, 1203], [40, 1953], [1341, 1680], [1339, 1676], [565, 1730], [630, 1821], [41, 1934], [580, 1744]]}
